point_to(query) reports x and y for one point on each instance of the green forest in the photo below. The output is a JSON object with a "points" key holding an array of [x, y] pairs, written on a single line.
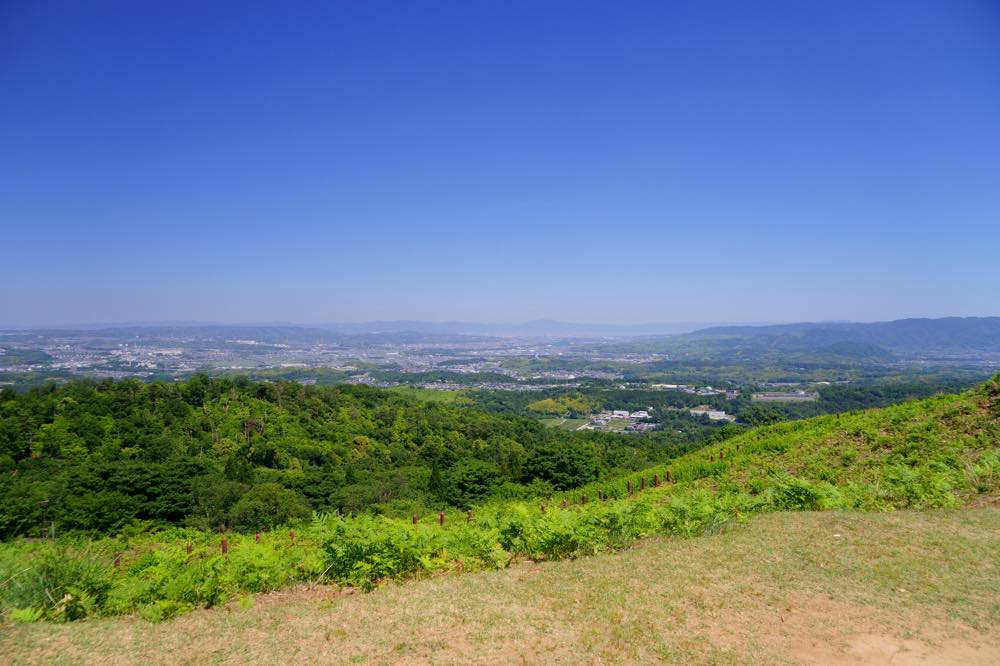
{"points": [[938, 452], [228, 453]]}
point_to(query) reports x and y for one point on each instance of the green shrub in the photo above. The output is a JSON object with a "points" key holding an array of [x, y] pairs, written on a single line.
{"points": [[60, 584], [788, 493], [624, 522], [560, 534], [471, 480], [364, 551], [162, 610], [565, 464], [25, 615], [692, 513], [984, 474], [267, 505]]}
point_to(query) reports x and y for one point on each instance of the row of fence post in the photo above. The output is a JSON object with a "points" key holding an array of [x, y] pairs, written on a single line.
{"points": [[223, 545]]}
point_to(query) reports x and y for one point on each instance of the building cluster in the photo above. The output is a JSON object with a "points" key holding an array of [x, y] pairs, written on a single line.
{"points": [[730, 393], [621, 419], [605, 417]]}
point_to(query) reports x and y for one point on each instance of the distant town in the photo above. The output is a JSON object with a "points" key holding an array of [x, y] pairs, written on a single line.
{"points": [[605, 384]]}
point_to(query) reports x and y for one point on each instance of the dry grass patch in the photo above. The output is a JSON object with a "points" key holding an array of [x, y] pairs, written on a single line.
{"points": [[786, 588]]}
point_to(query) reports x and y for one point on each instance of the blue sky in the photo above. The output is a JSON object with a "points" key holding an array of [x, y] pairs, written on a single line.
{"points": [[499, 161]]}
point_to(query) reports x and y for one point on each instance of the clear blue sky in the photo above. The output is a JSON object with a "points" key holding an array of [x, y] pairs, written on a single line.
{"points": [[499, 161]]}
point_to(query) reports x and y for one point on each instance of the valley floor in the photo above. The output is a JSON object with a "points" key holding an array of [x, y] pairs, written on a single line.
{"points": [[815, 588]]}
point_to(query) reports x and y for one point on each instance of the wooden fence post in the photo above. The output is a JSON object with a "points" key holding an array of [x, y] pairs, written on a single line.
{"points": [[441, 518]]}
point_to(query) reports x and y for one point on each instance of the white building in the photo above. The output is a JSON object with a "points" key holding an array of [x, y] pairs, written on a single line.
{"points": [[712, 414]]}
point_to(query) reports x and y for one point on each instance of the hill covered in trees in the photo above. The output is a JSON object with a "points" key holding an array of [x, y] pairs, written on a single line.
{"points": [[943, 451], [96, 457]]}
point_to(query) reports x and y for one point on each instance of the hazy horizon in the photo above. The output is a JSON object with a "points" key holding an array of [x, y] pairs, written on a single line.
{"points": [[642, 162], [676, 325]]}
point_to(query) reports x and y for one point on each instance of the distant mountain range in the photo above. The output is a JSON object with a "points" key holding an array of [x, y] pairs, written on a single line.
{"points": [[270, 333], [874, 341], [902, 336], [537, 327]]}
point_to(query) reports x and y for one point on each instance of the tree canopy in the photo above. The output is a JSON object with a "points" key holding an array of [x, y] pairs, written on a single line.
{"points": [[97, 456]]}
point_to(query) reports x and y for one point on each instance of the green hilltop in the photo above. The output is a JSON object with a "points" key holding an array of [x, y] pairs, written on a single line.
{"points": [[938, 452], [934, 452]]}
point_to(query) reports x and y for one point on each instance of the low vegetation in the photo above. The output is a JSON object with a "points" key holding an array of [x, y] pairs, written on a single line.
{"points": [[571, 405], [905, 587]]}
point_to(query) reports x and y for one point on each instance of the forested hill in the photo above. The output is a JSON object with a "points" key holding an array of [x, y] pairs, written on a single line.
{"points": [[98, 456]]}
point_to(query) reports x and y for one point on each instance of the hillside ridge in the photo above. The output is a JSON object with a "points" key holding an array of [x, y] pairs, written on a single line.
{"points": [[938, 452]]}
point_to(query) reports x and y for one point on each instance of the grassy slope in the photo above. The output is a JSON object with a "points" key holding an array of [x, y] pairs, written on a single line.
{"points": [[828, 587], [933, 452], [937, 452]]}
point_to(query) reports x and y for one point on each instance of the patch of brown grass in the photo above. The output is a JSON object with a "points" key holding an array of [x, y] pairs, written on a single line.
{"points": [[786, 588]]}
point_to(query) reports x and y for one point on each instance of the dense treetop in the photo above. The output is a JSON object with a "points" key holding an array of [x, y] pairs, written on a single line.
{"points": [[95, 456]]}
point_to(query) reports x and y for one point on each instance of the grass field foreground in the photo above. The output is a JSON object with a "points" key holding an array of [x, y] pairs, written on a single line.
{"points": [[808, 587]]}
